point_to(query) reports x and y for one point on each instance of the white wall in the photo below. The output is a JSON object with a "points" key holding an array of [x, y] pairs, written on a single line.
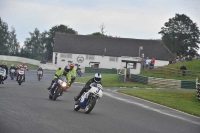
{"points": [[20, 59], [48, 66], [104, 61]]}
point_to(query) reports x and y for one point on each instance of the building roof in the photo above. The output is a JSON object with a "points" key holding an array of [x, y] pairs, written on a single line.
{"points": [[107, 46]]}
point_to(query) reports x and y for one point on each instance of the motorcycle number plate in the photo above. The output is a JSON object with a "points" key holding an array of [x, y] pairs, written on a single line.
{"points": [[21, 72]]}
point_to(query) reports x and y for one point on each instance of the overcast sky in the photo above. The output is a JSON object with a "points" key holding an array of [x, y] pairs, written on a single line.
{"points": [[141, 19]]}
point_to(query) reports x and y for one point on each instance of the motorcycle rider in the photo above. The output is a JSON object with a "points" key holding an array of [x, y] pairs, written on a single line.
{"points": [[40, 69], [66, 73], [78, 70], [19, 67], [12, 67], [4, 66], [60, 72], [72, 72], [96, 79]]}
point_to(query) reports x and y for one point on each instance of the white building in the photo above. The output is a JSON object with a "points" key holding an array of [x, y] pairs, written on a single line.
{"points": [[106, 52]]}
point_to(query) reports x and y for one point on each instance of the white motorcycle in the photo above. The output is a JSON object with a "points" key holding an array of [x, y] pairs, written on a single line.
{"points": [[39, 75], [12, 74], [89, 99], [2, 74], [21, 74]]}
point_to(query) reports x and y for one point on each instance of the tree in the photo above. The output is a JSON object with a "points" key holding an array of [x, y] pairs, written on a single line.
{"points": [[34, 45], [51, 37], [13, 45], [4, 35], [97, 34], [180, 33]]}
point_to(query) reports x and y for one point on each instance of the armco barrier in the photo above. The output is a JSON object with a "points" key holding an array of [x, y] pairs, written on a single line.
{"points": [[139, 79], [100, 70], [165, 83], [188, 84]]}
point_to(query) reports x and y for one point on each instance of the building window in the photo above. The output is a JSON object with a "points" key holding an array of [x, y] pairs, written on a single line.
{"points": [[90, 57], [65, 55], [115, 59], [69, 55]]}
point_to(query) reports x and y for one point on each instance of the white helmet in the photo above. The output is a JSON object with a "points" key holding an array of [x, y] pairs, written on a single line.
{"points": [[97, 77]]}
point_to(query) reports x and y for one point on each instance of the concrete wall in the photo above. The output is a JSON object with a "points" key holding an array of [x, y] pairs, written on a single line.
{"points": [[20, 59], [48, 66]]}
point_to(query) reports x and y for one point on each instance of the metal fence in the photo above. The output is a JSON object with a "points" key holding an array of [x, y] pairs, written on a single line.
{"points": [[175, 72]]}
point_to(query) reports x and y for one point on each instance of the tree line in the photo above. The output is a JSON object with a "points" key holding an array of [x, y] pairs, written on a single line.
{"points": [[180, 34]]}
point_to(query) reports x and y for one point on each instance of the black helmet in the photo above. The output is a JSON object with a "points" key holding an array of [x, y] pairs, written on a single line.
{"points": [[66, 70], [97, 77]]}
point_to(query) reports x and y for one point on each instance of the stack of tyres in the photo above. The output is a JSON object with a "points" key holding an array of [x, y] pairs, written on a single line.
{"points": [[198, 92]]}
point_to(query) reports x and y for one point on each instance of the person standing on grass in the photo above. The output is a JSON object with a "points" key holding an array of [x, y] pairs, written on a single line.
{"points": [[183, 68]]}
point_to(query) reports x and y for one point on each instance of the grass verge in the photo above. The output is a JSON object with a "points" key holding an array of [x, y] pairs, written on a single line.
{"points": [[111, 80], [9, 63], [183, 101]]}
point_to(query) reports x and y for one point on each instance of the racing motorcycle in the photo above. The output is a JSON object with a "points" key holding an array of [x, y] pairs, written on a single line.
{"points": [[21, 74], [39, 75], [12, 74], [59, 85], [89, 99], [2, 75]]}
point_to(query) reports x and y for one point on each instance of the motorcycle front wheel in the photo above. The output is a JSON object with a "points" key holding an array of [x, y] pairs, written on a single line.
{"points": [[58, 90], [90, 105], [76, 106]]}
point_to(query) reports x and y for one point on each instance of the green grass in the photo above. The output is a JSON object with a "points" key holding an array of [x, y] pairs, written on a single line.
{"points": [[9, 63], [183, 101], [111, 80]]}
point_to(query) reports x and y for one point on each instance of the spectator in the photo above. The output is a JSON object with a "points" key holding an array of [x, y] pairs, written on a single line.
{"points": [[148, 61], [153, 62], [183, 68]]}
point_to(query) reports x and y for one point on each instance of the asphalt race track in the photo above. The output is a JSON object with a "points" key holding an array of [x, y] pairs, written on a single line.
{"points": [[27, 109]]}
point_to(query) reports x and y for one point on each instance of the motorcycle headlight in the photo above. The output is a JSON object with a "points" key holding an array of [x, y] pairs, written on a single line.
{"points": [[64, 84]]}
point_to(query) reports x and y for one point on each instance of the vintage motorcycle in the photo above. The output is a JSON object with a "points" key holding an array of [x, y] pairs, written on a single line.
{"points": [[89, 99], [58, 87], [21, 74], [12, 74], [39, 75], [2, 75]]}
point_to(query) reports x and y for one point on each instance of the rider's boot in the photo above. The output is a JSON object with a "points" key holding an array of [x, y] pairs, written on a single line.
{"points": [[79, 95]]}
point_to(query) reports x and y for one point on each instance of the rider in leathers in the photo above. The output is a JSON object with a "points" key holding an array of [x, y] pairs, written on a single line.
{"points": [[4, 66], [96, 79]]}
